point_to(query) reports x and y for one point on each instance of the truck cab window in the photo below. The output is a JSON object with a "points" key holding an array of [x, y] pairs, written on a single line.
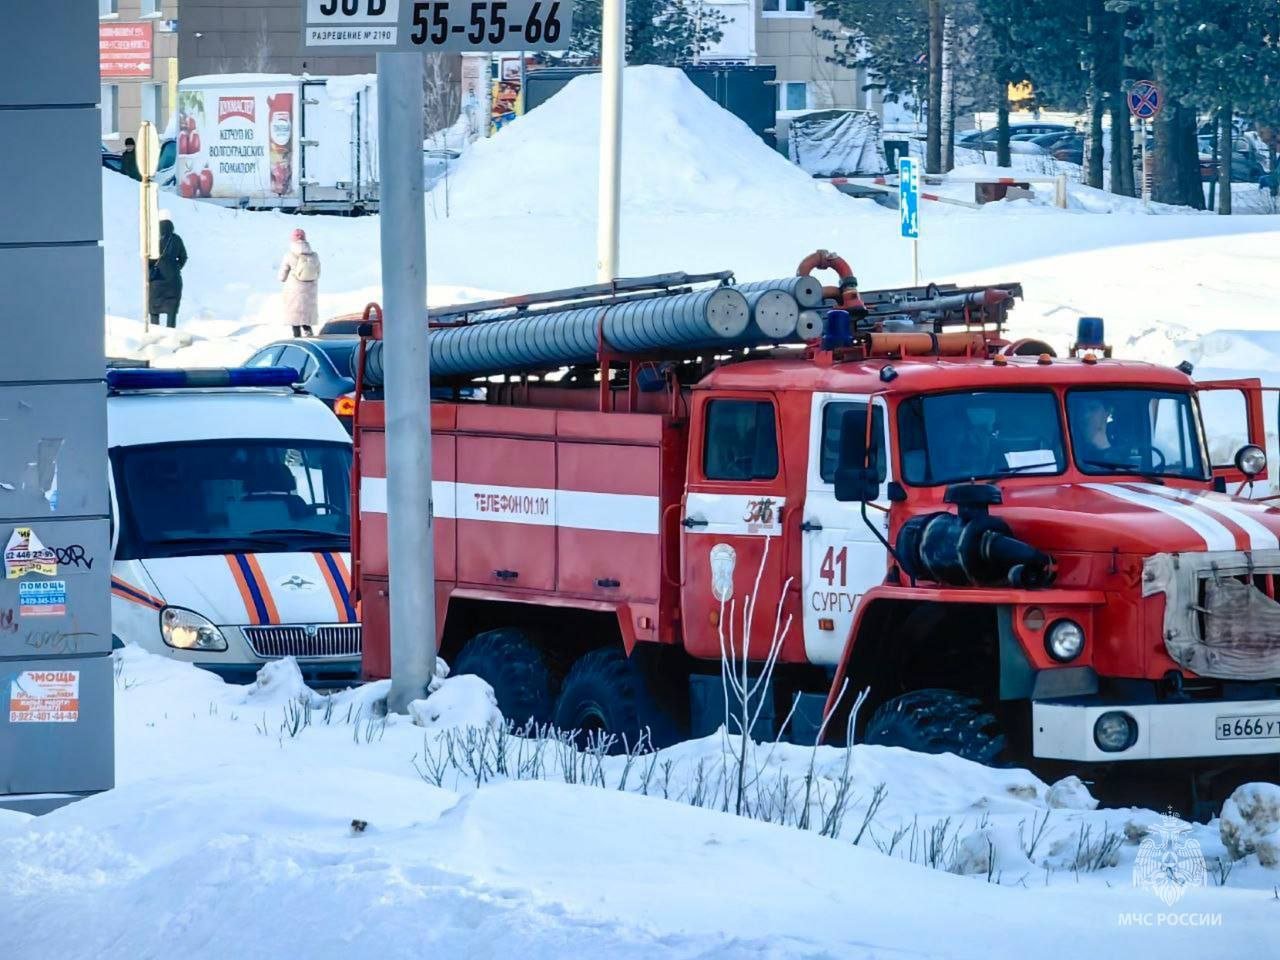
{"points": [[832, 418], [741, 441]]}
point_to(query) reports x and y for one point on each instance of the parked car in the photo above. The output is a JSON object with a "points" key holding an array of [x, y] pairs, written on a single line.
{"points": [[1066, 146], [436, 165], [986, 139], [324, 367], [1247, 163], [110, 160]]}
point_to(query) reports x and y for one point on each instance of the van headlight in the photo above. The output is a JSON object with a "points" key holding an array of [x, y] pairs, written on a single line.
{"points": [[187, 630], [1064, 640]]}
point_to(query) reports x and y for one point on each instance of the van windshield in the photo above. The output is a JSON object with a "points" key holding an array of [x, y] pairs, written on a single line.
{"points": [[228, 496]]}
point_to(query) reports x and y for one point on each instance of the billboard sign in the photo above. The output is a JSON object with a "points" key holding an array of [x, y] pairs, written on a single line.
{"points": [[124, 50]]}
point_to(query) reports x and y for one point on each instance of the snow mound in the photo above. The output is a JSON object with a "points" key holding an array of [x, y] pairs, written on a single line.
{"points": [[1070, 793], [1251, 823], [278, 682], [682, 154], [991, 851], [462, 701]]}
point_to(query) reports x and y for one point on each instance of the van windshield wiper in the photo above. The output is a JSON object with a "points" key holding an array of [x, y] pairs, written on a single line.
{"points": [[1126, 468], [300, 532], [221, 544]]}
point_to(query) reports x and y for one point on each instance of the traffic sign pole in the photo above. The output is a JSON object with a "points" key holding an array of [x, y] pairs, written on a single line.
{"points": [[400, 32], [1145, 101], [909, 210], [410, 524]]}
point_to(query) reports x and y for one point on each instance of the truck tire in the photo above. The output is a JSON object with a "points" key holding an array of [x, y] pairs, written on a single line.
{"points": [[937, 721], [510, 662], [606, 692]]}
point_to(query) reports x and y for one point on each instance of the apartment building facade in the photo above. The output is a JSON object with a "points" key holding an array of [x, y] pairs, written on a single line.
{"points": [[785, 34], [137, 64]]}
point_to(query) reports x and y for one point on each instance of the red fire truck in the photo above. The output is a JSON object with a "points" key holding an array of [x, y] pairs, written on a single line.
{"points": [[1022, 555]]}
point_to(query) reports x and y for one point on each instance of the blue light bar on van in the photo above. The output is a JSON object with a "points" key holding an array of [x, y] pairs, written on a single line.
{"points": [[147, 378]]}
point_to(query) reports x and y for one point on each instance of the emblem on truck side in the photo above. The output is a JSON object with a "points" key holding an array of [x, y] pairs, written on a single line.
{"points": [[296, 582], [723, 560], [760, 514]]}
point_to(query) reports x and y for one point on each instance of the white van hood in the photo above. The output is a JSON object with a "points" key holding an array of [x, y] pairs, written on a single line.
{"points": [[244, 589]]}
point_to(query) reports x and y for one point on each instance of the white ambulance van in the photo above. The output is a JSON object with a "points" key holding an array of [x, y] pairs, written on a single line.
{"points": [[230, 497]]}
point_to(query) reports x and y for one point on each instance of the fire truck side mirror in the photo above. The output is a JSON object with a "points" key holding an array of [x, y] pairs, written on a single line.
{"points": [[856, 480]]}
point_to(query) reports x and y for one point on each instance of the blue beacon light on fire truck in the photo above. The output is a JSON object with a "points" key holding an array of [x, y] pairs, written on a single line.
{"points": [[145, 378]]}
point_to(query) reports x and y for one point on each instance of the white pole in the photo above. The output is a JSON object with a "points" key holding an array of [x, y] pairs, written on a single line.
{"points": [[612, 51], [410, 526], [1146, 183], [915, 261], [1060, 191]]}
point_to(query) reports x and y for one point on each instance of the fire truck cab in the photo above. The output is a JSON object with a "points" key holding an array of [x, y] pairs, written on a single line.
{"points": [[1022, 556]]}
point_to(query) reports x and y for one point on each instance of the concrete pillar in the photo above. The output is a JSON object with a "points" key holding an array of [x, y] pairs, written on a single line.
{"points": [[56, 681]]}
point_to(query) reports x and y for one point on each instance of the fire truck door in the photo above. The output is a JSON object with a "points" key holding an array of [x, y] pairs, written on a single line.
{"points": [[842, 558], [732, 524]]}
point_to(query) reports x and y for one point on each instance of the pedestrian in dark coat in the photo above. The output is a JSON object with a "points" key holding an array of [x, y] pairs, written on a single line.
{"points": [[166, 275], [129, 160]]}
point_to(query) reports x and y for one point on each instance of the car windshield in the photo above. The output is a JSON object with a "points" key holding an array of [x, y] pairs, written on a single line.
{"points": [[950, 437], [226, 496], [1147, 432]]}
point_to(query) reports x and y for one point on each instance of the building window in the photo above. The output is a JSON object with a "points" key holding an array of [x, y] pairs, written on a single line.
{"points": [[110, 110], [787, 8], [153, 103], [108, 8], [150, 8], [793, 96]]}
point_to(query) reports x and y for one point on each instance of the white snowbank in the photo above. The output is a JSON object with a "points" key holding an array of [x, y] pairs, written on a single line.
{"points": [[225, 810], [683, 154], [462, 701], [1251, 823]]}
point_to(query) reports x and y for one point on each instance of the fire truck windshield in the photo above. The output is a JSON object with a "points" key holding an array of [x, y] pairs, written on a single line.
{"points": [[224, 496], [949, 437], [1142, 431]]}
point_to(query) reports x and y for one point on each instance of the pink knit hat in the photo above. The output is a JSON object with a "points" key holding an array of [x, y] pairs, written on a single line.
{"points": [[299, 234]]}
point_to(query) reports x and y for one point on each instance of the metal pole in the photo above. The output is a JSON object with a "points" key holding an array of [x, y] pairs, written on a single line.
{"points": [[410, 526], [1146, 183], [612, 52], [915, 261]]}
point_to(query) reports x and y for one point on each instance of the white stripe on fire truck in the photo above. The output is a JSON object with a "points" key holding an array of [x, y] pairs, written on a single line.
{"points": [[1260, 538], [1213, 533], [373, 496], [534, 506]]}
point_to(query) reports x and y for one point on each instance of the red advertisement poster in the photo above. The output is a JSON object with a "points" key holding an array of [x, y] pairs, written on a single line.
{"points": [[124, 49]]}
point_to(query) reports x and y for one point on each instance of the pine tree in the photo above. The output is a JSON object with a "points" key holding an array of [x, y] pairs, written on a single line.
{"points": [[664, 32]]}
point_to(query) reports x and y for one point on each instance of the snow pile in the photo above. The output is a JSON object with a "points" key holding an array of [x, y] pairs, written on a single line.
{"points": [[464, 701], [229, 810], [1251, 823], [1070, 793], [682, 154]]}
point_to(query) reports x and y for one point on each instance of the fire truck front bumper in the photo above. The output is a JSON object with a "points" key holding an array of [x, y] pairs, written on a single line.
{"points": [[1108, 732]]}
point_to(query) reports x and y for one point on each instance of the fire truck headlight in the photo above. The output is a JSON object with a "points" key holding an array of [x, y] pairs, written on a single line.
{"points": [[187, 630], [1251, 460], [1115, 731], [1064, 640]]}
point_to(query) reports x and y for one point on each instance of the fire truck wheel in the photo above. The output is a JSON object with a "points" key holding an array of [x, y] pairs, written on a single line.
{"points": [[937, 721], [605, 692], [510, 662]]}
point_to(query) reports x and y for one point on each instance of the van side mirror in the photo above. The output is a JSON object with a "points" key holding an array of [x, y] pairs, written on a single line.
{"points": [[857, 480]]}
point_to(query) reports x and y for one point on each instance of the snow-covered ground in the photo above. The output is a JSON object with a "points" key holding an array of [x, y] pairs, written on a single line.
{"points": [[230, 833], [700, 193]]}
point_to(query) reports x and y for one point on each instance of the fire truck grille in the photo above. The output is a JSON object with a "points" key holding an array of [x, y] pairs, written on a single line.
{"points": [[291, 641]]}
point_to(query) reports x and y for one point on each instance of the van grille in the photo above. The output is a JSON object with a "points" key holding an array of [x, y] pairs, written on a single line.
{"points": [[342, 640]]}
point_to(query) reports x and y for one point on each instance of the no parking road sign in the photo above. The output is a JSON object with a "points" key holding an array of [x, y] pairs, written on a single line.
{"points": [[1145, 100]]}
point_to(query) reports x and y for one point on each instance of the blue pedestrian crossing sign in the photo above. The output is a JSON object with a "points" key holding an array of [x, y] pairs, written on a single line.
{"points": [[909, 197]]}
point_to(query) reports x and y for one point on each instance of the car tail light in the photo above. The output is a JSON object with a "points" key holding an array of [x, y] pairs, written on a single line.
{"points": [[345, 405]]}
